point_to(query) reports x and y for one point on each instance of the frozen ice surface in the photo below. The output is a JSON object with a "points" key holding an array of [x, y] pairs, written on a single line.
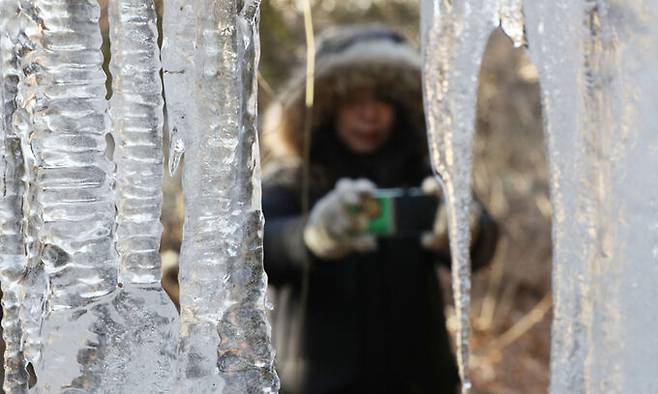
{"points": [[144, 342], [4, 21], [137, 118], [179, 27], [12, 256], [454, 35], [597, 63], [80, 238], [225, 338], [61, 118], [29, 285]]}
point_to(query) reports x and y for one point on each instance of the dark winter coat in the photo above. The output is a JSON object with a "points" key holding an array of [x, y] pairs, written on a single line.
{"points": [[373, 322]]}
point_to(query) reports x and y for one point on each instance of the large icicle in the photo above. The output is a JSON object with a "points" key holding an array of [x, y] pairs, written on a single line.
{"points": [[454, 36], [12, 248], [70, 215], [597, 63], [145, 349], [225, 339]]}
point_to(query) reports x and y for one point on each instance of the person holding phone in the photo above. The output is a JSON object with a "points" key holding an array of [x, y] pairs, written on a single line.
{"points": [[372, 319]]}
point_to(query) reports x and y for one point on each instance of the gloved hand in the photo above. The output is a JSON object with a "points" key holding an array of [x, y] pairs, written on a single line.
{"points": [[437, 239], [336, 223]]}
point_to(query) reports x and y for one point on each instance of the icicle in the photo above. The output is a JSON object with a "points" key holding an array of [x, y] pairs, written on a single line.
{"points": [[32, 285], [136, 115], [225, 340], [70, 212], [12, 257], [454, 36], [150, 321], [597, 62], [5, 12], [179, 28]]}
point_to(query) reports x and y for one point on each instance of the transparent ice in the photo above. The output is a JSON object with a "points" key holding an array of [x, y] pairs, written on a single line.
{"points": [[80, 234], [12, 256], [225, 337], [149, 332], [30, 282], [179, 28], [454, 35], [68, 208]]}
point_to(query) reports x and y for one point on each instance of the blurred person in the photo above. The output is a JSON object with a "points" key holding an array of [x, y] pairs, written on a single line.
{"points": [[373, 321]]}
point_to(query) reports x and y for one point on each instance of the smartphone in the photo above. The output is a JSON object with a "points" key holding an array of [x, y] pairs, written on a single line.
{"points": [[400, 212]]}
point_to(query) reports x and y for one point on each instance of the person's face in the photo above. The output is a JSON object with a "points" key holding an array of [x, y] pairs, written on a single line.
{"points": [[364, 122]]}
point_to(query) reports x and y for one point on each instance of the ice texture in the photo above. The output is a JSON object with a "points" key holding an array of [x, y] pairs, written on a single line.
{"points": [[68, 206], [12, 256], [137, 119], [179, 28], [225, 337], [19, 89], [454, 35], [144, 347], [597, 62]]}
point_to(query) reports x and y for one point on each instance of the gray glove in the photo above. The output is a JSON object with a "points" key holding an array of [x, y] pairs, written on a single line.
{"points": [[336, 223]]}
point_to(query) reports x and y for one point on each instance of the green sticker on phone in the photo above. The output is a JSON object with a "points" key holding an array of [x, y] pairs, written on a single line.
{"points": [[381, 210]]}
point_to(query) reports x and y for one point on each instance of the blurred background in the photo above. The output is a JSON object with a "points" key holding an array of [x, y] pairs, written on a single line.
{"points": [[511, 310]]}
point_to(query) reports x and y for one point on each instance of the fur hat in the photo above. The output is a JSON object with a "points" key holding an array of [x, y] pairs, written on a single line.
{"points": [[347, 59]]}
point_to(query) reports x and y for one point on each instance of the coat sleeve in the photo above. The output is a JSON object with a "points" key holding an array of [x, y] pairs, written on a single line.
{"points": [[285, 254], [484, 245]]}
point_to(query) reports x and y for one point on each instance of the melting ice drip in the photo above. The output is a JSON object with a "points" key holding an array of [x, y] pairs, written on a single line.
{"points": [[79, 262], [597, 62]]}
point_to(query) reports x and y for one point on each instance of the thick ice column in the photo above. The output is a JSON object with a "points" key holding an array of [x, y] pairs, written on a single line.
{"points": [[145, 347], [70, 210], [137, 118], [454, 36], [597, 63], [12, 248], [225, 339]]}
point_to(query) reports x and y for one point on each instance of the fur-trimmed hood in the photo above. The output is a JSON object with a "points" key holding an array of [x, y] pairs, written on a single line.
{"points": [[347, 59]]}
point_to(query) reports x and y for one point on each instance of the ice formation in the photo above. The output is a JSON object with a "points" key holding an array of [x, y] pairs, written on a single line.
{"points": [[68, 208], [179, 27], [454, 35], [12, 256], [79, 250], [597, 62], [150, 324], [224, 344]]}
